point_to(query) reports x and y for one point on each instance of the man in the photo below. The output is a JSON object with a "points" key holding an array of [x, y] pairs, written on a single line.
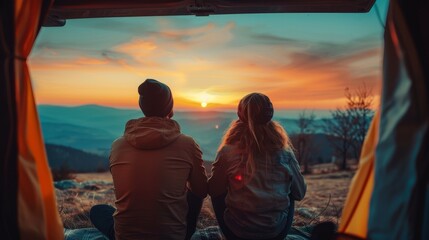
{"points": [[158, 175]]}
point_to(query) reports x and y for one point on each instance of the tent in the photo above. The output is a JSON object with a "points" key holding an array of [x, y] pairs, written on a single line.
{"points": [[389, 198], [389, 195]]}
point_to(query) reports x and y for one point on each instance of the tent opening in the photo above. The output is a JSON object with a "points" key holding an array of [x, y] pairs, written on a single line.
{"points": [[314, 67]]}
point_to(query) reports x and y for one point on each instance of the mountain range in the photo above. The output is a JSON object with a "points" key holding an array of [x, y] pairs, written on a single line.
{"points": [[92, 128]]}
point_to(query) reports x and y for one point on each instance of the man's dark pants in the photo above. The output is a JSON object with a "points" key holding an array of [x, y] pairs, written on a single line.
{"points": [[102, 216]]}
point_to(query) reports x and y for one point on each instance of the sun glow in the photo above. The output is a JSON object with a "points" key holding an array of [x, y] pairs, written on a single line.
{"points": [[204, 99]]}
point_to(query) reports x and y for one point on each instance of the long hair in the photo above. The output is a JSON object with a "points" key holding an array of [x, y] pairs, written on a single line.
{"points": [[255, 133]]}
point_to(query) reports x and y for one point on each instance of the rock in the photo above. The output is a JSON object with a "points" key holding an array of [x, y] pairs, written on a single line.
{"points": [[91, 187], [86, 185], [305, 212], [66, 184], [95, 182]]}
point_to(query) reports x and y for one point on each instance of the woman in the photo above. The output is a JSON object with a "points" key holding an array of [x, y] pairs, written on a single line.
{"points": [[255, 178]]}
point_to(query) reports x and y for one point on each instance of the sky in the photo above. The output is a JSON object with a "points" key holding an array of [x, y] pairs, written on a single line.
{"points": [[301, 61]]}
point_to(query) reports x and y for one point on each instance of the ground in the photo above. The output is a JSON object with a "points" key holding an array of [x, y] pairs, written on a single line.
{"points": [[324, 200]]}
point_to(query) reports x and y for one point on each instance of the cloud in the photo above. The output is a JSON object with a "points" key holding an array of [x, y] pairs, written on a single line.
{"points": [[308, 78], [227, 61], [175, 41]]}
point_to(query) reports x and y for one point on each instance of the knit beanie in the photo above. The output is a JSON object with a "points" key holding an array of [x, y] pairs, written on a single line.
{"points": [[155, 99]]}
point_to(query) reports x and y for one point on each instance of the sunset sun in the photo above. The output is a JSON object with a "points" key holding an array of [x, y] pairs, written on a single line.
{"points": [[205, 98]]}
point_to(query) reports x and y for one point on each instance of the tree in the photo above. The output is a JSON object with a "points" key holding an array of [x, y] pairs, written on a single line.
{"points": [[348, 126], [341, 134], [359, 103], [304, 141]]}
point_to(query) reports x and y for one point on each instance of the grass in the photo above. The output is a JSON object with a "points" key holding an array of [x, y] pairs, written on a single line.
{"points": [[63, 173], [324, 200]]}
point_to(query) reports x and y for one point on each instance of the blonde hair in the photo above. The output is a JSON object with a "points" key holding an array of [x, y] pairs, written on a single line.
{"points": [[253, 137]]}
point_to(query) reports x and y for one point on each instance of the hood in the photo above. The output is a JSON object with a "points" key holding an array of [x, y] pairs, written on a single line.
{"points": [[151, 132]]}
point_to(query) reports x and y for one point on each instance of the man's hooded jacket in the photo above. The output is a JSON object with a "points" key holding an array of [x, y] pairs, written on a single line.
{"points": [[153, 166]]}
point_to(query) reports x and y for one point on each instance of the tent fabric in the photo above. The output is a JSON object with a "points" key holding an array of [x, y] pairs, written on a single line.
{"points": [[416, 18], [356, 210], [386, 199], [387, 195], [8, 128], [403, 134], [38, 217]]}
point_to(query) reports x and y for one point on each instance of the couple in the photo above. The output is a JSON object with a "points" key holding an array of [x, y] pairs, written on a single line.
{"points": [[160, 181]]}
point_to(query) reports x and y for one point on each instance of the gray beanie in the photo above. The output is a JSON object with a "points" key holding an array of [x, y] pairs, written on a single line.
{"points": [[155, 99]]}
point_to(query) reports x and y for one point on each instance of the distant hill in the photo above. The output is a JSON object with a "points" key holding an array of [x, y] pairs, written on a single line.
{"points": [[74, 159], [92, 128], [88, 139], [111, 120], [321, 150]]}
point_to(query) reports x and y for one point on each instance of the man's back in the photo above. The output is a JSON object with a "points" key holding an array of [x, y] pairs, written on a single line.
{"points": [[151, 165]]}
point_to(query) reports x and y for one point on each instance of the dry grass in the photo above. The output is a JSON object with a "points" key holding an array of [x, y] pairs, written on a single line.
{"points": [[74, 204], [64, 173], [324, 200]]}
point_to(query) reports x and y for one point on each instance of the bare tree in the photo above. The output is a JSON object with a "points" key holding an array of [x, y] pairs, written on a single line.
{"points": [[306, 129], [349, 125], [339, 129], [359, 103]]}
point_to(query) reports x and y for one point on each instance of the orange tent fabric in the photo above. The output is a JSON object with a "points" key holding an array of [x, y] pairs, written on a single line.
{"points": [[38, 217], [356, 208]]}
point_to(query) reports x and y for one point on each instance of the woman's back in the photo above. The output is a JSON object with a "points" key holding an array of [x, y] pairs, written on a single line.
{"points": [[257, 207], [254, 174]]}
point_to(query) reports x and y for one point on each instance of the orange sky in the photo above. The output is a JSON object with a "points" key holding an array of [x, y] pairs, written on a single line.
{"points": [[213, 60]]}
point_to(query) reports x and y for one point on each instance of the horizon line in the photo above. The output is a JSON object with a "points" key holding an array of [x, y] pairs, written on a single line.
{"points": [[183, 109]]}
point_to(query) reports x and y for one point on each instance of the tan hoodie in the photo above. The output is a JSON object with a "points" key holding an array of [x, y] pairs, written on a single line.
{"points": [[152, 166]]}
